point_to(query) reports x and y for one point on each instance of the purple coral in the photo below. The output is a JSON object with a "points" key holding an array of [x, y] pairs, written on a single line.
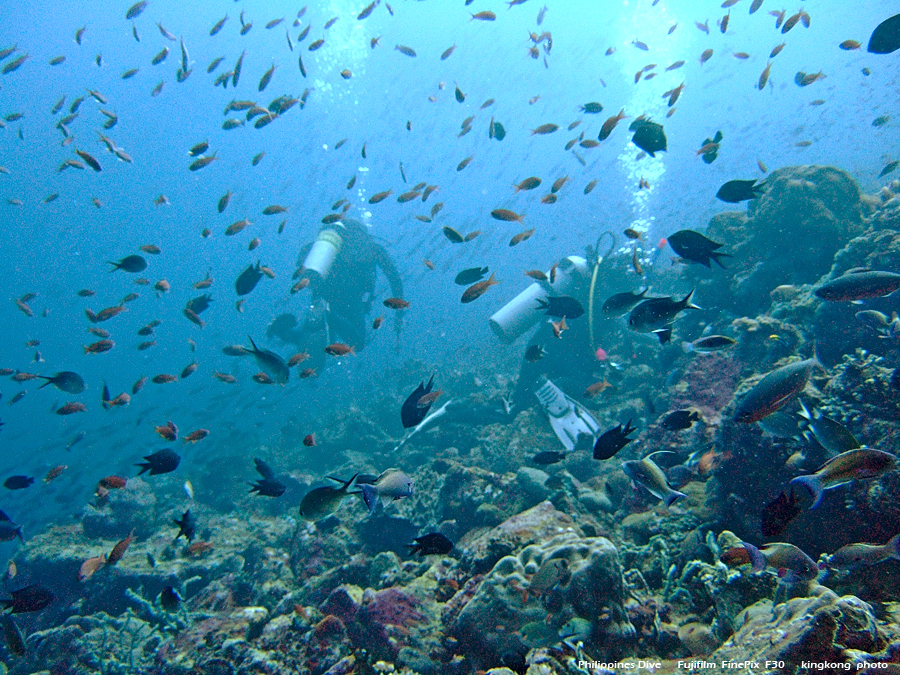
{"points": [[385, 620]]}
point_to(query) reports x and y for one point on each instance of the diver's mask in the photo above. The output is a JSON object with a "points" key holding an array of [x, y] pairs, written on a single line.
{"points": [[323, 252], [521, 313]]}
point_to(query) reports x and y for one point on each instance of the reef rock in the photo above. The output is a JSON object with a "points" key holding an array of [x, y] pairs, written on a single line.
{"points": [[818, 628], [538, 523], [518, 605], [772, 244]]}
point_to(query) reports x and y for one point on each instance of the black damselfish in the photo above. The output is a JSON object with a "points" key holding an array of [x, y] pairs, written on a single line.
{"points": [[161, 461], [434, 543], [186, 526], [695, 247], [610, 442], [735, 191], [411, 413]]}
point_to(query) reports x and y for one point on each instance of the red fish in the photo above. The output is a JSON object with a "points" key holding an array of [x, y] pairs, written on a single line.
{"points": [[475, 291]]}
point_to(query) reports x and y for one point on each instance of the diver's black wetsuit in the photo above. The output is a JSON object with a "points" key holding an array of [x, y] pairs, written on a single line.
{"points": [[341, 301]]}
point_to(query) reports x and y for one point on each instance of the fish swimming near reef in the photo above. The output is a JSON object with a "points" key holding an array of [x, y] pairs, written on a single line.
{"points": [[186, 526], [269, 485], [831, 435], [854, 556], [859, 464], [561, 306], [8, 529], [392, 484], [433, 543], [32, 598], [321, 502], [709, 343], [548, 457], [885, 39], [862, 285], [656, 315], [66, 380], [648, 136], [694, 247], [679, 420], [647, 474], [160, 462], [270, 363], [131, 263], [792, 564], [411, 413], [622, 303], [778, 513], [470, 276], [248, 279], [613, 440], [774, 390], [735, 191]]}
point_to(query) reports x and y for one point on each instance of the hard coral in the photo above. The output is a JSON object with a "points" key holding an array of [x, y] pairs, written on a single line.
{"points": [[329, 629]]}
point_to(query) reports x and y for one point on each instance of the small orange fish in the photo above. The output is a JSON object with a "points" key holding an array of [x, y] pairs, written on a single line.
{"points": [[339, 349], [549, 199], [308, 372], [198, 548], [632, 233], [122, 399], [596, 388], [536, 274], [636, 263], [528, 184], [55, 472], [197, 435], [193, 317], [506, 215], [119, 549], [89, 566], [113, 482], [163, 378], [137, 386], [300, 285], [522, 236], [376, 324], [395, 303], [610, 124], [99, 347], [764, 77], [262, 378], [558, 184], [309, 441], [475, 291], [427, 262], [559, 327], [429, 398], [297, 359], [849, 45], [224, 377], [168, 431], [380, 196]]}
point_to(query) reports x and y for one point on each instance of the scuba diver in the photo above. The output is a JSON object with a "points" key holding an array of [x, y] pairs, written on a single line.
{"points": [[341, 267], [551, 366]]}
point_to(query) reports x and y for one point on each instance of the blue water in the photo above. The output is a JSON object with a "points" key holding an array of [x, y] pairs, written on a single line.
{"points": [[58, 248]]}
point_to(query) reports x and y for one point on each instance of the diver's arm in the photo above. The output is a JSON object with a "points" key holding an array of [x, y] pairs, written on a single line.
{"points": [[383, 260]]}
